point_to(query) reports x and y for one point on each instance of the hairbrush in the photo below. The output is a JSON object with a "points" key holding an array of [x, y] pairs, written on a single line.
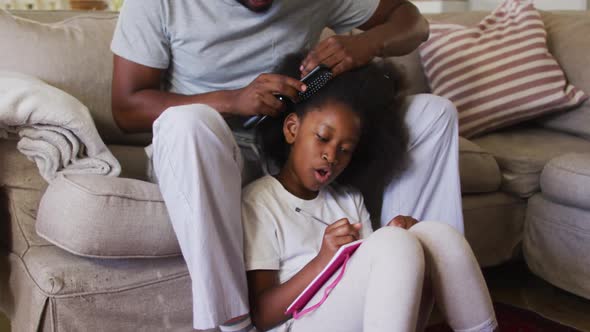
{"points": [[314, 81]]}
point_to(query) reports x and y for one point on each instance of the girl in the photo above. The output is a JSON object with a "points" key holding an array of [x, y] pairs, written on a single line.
{"points": [[350, 132]]}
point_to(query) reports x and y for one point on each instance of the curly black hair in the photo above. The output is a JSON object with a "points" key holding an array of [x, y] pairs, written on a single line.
{"points": [[376, 93]]}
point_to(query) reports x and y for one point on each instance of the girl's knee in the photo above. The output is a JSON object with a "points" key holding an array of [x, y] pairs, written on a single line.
{"points": [[390, 239], [439, 234]]}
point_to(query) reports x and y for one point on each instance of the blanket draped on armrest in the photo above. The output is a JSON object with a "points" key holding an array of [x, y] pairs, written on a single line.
{"points": [[54, 129]]}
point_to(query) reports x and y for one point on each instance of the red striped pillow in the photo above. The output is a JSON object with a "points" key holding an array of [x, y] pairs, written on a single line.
{"points": [[499, 72]]}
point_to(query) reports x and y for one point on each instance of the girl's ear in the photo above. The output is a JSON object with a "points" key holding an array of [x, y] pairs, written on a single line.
{"points": [[290, 127]]}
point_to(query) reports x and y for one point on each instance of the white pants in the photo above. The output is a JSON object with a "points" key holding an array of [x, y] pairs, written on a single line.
{"points": [[429, 189], [382, 288], [197, 163]]}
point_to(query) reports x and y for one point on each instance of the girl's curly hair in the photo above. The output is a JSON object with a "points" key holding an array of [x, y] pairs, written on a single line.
{"points": [[376, 93]]}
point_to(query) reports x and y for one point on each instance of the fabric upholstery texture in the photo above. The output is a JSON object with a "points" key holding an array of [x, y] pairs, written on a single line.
{"points": [[20, 298], [56, 288], [493, 226], [20, 233], [478, 169], [564, 41], [566, 180], [78, 213], [522, 153], [73, 52], [16, 170], [556, 244], [498, 73]]}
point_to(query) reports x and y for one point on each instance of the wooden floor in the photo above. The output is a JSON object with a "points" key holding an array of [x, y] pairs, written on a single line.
{"points": [[514, 284]]}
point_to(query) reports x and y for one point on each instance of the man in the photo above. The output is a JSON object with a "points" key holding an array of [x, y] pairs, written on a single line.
{"points": [[183, 67]]}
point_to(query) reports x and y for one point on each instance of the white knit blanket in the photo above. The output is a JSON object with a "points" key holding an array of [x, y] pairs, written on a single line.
{"points": [[54, 129]]}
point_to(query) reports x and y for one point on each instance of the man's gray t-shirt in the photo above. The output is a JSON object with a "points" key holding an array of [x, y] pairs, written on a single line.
{"points": [[210, 45]]}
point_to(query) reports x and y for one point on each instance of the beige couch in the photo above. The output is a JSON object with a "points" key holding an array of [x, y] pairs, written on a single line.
{"points": [[103, 257]]}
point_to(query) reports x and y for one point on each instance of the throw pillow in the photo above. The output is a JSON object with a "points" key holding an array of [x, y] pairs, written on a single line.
{"points": [[499, 72]]}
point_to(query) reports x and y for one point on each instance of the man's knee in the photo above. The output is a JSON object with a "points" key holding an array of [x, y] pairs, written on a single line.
{"points": [[190, 121], [443, 109], [437, 111]]}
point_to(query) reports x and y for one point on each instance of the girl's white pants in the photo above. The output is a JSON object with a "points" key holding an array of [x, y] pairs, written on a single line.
{"points": [[391, 281], [198, 165]]}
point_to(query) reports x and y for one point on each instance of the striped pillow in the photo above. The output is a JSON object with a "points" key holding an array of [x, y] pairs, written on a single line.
{"points": [[499, 72]]}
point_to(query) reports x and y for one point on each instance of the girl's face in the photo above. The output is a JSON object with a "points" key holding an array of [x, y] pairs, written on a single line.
{"points": [[322, 143]]}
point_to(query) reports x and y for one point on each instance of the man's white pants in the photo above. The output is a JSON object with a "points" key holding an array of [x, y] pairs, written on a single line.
{"points": [[198, 166]]}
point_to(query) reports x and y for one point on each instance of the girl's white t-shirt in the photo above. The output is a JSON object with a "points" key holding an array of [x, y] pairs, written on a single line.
{"points": [[279, 238]]}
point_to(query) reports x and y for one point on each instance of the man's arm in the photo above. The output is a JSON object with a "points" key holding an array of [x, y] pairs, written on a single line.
{"points": [[137, 100], [396, 28]]}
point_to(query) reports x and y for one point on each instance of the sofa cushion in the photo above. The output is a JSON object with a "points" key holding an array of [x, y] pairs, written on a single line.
{"points": [[478, 169], [133, 159], [97, 216], [493, 226], [75, 58], [566, 180], [499, 72], [21, 188], [556, 244], [567, 36], [522, 153]]}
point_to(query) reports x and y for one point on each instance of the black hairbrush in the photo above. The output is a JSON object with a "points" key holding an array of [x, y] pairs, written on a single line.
{"points": [[314, 81]]}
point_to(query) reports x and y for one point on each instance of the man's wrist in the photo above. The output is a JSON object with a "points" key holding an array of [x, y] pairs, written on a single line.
{"points": [[223, 101]]}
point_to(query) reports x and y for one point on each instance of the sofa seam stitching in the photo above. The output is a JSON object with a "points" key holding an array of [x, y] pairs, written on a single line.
{"points": [[498, 205], [94, 193], [545, 221], [117, 290], [112, 257], [562, 168], [122, 289], [18, 222]]}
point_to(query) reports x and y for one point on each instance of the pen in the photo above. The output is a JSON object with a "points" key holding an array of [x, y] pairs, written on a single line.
{"points": [[307, 214]]}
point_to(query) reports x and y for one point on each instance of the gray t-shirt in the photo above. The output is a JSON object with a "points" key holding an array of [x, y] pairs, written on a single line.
{"points": [[210, 45]]}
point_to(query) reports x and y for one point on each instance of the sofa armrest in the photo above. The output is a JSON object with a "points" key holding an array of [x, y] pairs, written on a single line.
{"points": [[106, 217]]}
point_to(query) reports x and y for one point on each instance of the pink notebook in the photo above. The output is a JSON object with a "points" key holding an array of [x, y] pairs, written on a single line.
{"points": [[339, 257]]}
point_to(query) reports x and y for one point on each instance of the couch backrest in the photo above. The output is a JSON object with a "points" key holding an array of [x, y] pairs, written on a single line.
{"points": [[72, 54], [71, 50]]}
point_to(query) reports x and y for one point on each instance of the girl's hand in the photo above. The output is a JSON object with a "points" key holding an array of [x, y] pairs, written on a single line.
{"points": [[404, 222], [337, 234]]}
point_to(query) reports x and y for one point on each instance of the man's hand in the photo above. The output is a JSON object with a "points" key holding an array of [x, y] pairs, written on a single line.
{"points": [[404, 222], [259, 97], [336, 235], [340, 53]]}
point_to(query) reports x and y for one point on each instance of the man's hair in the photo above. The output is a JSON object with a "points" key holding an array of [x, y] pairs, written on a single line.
{"points": [[375, 92]]}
